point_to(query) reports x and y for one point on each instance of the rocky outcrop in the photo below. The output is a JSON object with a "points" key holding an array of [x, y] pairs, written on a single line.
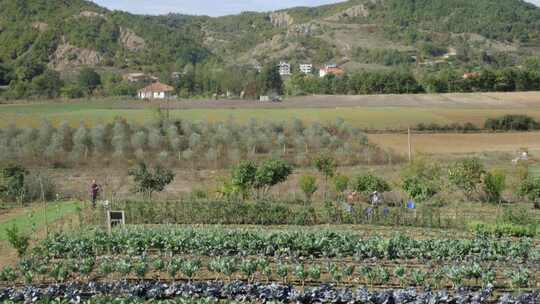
{"points": [[352, 12], [68, 56], [130, 40], [91, 14], [305, 29], [281, 19]]}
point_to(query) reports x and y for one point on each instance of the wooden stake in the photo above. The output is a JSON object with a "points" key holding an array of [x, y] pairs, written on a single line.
{"points": [[409, 140]]}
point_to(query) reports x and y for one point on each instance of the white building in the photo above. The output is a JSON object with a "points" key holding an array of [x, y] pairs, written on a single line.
{"points": [[306, 68], [284, 68], [156, 91]]}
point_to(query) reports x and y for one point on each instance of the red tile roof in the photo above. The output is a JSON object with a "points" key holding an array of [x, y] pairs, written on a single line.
{"points": [[157, 87]]}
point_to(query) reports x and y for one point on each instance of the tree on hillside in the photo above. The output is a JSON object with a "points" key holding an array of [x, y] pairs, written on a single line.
{"points": [[148, 182], [89, 79], [270, 80]]}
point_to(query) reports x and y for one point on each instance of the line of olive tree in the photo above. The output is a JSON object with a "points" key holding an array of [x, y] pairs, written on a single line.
{"points": [[185, 143]]}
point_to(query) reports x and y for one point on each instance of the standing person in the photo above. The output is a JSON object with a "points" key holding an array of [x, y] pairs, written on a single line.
{"points": [[94, 192]]}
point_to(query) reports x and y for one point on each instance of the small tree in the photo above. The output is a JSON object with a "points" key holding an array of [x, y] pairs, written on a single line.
{"points": [[369, 183], [18, 240], [341, 183], [327, 166], [148, 182], [494, 185], [466, 175], [308, 184], [421, 179], [271, 173], [243, 177], [530, 188], [12, 183]]}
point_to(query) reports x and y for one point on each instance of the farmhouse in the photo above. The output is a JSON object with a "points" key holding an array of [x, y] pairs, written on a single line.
{"points": [[156, 91], [284, 68], [331, 69], [306, 68]]}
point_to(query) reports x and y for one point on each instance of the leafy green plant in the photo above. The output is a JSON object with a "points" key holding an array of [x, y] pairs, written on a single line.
{"points": [[308, 185], [283, 272], [369, 183], [149, 182], [271, 173], [326, 165], [190, 268], [249, 267], [243, 177], [400, 273], [519, 278], [494, 185], [421, 179], [8, 274], [466, 175], [418, 277], [173, 267], [314, 273], [341, 184], [301, 273], [18, 240]]}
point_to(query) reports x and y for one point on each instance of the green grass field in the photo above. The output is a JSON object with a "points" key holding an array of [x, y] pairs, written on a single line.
{"points": [[92, 113], [36, 218]]}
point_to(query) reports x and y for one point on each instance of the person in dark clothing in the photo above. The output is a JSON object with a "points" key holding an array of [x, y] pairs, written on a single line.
{"points": [[94, 192]]}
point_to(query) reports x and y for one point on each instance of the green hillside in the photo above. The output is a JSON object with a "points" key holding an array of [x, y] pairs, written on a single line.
{"points": [[42, 40]]}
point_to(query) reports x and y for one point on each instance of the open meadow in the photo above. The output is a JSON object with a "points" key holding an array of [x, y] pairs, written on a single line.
{"points": [[299, 205]]}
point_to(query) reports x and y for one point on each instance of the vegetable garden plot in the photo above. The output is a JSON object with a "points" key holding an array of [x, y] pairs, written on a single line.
{"points": [[212, 242], [257, 293]]}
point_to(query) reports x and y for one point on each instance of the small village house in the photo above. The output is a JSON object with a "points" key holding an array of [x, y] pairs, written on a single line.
{"points": [[284, 68], [306, 68], [331, 69], [156, 91]]}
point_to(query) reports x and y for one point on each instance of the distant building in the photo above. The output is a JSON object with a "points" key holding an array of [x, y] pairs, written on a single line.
{"points": [[306, 68], [471, 75], [331, 69], [284, 69], [156, 91], [139, 77]]}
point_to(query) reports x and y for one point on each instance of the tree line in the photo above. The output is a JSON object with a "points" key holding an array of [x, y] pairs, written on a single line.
{"points": [[185, 144]]}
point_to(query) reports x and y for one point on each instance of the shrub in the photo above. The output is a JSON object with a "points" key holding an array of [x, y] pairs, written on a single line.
{"points": [[466, 174], [530, 188], [18, 240], [271, 173], [370, 183], [308, 185], [341, 183], [494, 185], [12, 183], [512, 123], [421, 179], [243, 177], [148, 182]]}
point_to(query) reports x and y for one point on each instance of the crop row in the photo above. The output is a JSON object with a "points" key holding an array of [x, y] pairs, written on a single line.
{"points": [[31, 270], [214, 242], [255, 293]]}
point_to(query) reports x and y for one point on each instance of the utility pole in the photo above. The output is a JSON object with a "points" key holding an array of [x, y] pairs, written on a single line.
{"points": [[409, 142]]}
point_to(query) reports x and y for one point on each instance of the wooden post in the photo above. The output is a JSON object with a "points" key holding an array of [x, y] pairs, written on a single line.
{"points": [[409, 142]]}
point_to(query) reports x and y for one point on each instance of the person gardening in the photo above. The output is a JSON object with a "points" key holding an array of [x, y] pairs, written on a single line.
{"points": [[94, 192]]}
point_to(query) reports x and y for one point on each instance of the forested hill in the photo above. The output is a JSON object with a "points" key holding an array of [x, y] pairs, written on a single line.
{"points": [[41, 36]]}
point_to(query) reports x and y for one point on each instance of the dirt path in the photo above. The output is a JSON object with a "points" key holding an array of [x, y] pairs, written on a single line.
{"points": [[514, 100]]}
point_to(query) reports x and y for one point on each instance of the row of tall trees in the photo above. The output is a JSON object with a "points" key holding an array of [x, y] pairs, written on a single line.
{"points": [[198, 144]]}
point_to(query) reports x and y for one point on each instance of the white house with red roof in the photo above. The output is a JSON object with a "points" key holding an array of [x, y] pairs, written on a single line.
{"points": [[156, 91]]}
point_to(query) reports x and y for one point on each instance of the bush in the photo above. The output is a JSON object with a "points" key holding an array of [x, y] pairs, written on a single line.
{"points": [[530, 188], [39, 186], [421, 179], [271, 173], [370, 183], [341, 184], [512, 123], [18, 240], [466, 174], [494, 185], [148, 182], [12, 183], [308, 185]]}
